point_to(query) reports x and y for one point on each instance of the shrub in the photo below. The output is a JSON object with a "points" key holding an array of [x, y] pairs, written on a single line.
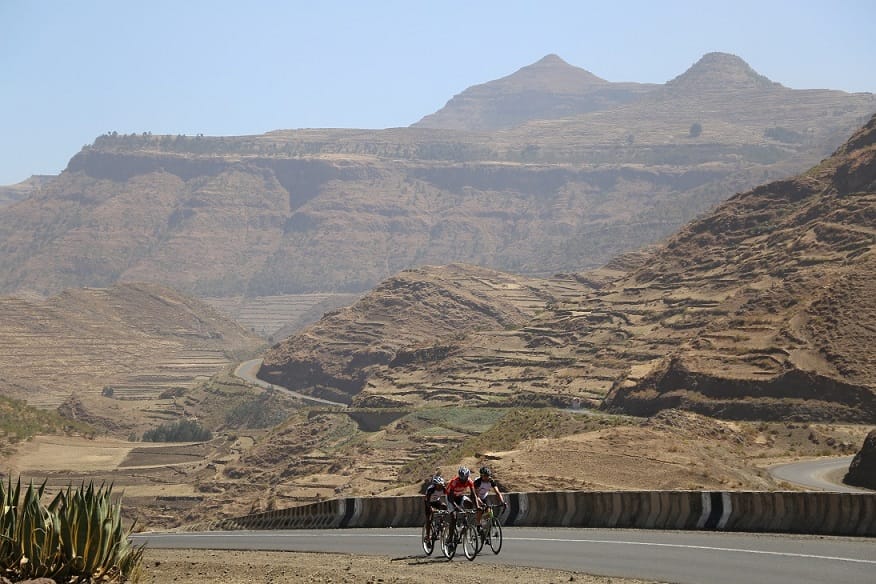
{"points": [[78, 538], [182, 431], [784, 135], [262, 412]]}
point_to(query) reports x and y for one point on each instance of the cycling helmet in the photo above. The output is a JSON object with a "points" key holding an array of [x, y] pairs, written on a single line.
{"points": [[438, 481], [464, 473], [486, 471]]}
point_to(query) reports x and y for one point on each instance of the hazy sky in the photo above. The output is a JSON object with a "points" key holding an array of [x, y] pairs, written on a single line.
{"points": [[72, 70]]}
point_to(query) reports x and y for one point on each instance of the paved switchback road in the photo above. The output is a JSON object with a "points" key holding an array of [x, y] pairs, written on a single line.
{"points": [[248, 370], [824, 474], [670, 556]]}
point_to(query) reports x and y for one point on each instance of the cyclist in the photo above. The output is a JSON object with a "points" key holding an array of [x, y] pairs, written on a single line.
{"points": [[484, 485], [435, 494], [461, 492]]}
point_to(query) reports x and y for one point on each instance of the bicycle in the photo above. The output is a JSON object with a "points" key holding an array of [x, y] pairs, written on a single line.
{"points": [[468, 534], [462, 530], [490, 529], [432, 530]]}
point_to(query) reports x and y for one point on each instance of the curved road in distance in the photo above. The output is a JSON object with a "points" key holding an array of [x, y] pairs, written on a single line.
{"points": [[248, 369], [666, 556], [825, 474]]}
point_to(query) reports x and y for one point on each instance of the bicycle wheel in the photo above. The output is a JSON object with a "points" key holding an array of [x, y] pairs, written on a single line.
{"points": [[426, 538], [470, 542], [448, 541], [494, 536]]}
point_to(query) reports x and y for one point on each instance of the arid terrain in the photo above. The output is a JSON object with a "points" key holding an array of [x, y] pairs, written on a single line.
{"points": [[600, 356], [190, 567], [319, 455], [741, 342]]}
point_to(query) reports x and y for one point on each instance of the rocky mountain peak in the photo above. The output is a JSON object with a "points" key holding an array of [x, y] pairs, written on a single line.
{"points": [[553, 73], [548, 89], [721, 71]]}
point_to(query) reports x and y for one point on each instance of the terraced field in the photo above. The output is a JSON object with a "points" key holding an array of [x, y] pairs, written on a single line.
{"points": [[279, 316], [118, 357]]}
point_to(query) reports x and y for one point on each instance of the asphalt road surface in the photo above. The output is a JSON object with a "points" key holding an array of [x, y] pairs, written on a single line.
{"points": [[820, 475], [671, 556], [248, 370]]}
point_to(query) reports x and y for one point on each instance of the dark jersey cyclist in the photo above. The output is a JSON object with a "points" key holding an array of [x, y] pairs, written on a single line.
{"points": [[435, 495]]}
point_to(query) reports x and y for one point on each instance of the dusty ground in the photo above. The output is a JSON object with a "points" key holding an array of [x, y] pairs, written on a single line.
{"points": [[237, 567]]}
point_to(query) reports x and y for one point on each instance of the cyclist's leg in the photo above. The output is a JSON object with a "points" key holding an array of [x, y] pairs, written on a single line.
{"points": [[453, 506]]}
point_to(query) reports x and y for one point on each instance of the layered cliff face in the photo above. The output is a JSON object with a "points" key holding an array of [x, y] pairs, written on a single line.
{"points": [[340, 210], [760, 310]]}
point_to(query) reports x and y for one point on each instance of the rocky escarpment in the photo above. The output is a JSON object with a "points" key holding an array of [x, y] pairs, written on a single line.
{"points": [[862, 471], [338, 211]]}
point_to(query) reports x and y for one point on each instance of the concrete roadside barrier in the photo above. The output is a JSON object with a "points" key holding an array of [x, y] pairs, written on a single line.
{"points": [[751, 511]]}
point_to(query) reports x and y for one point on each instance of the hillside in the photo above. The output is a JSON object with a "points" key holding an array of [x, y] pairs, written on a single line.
{"points": [[338, 211], [120, 358], [429, 307], [759, 310]]}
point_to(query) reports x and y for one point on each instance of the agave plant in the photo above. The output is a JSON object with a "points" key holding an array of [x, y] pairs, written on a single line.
{"points": [[10, 554], [78, 537]]}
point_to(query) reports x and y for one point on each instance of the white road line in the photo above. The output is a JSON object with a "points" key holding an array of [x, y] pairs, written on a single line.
{"points": [[695, 547], [561, 540]]}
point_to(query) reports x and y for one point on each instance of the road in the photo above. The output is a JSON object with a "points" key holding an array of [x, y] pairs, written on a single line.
{"points": [[248, 370], [819, 475], [669, 556]]}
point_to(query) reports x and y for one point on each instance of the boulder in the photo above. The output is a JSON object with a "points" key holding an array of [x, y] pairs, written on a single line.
{"points": [[862, 471]]}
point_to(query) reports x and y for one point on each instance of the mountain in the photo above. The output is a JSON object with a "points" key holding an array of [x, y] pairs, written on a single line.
{"points": [[760, 310], [338, 211], [547, 89], [720, 72]]}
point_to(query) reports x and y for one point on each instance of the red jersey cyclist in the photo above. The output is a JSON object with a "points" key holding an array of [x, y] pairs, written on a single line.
{"points": [[461, 491]]}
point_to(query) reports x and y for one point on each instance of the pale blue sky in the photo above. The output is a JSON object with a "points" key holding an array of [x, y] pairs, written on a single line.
{"points": [[72, 70]]}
